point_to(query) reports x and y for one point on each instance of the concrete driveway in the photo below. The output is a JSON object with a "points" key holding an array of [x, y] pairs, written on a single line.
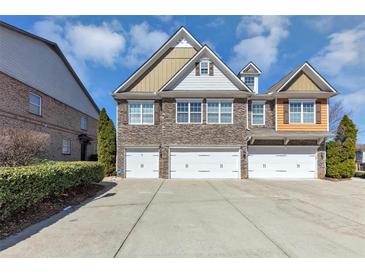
{"points": [[205, 218]]}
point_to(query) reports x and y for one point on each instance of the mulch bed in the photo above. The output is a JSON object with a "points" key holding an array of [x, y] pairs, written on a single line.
{"points": [[47, 208]]}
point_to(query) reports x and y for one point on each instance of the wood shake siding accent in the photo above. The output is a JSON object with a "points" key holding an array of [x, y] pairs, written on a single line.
{"points": [[302, 83], [163, 70], [282, 126]]}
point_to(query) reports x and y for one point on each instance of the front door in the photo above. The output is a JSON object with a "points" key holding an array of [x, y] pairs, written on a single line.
{"points": [[83, 151]]}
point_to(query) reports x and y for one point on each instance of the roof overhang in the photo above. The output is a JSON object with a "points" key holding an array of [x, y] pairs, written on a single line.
{"points": [[204, 94], [268, 134], [313, 75], [305, 94], [181, 33], [135, 95]]}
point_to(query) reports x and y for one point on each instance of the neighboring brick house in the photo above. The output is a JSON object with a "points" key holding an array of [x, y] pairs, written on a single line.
{"points": [[185, 114], [40, 91]]}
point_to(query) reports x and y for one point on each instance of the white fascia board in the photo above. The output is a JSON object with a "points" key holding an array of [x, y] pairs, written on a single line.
{"points": [[233, 77], [168, 44], [316, 73]]}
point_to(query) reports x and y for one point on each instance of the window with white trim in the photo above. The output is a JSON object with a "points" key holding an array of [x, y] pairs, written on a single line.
{"points": [[35, 104], [204, 68], [66, 146], [140, 113], [219, 112], [258, 113], [301, 112], [249, 80], [83, 123], [188, 112]]}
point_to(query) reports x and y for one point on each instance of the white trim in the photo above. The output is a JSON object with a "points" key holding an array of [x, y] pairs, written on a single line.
{"points": [[276, 114], [116, 139], [219, 101], [250, 64], [84, 118], [68, 146], [309, 66], [158, 54], [247, 127], [213, 56], [40, 103], [301, 101], [141, 102], [258, 102], [200, 67], [189, 101]]}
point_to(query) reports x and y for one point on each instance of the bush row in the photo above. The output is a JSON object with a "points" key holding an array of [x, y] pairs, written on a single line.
{"points": [[22, 187]]}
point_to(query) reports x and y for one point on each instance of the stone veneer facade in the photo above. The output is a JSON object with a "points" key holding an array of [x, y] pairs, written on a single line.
{"points": [[57, 120], [166, 132]]}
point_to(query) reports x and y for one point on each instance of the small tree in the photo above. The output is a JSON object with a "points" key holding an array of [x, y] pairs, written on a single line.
{"points": [[106, 143], [341, 151]]}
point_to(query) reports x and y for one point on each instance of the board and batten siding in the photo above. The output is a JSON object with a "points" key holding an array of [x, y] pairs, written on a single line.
{"points": [[281, 126], [34, 63], [302, 83], [163, 70], [218, 81]]}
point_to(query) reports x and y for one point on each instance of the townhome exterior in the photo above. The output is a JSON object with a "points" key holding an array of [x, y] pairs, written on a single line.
{"points": [[40, 92], [185, 114]]}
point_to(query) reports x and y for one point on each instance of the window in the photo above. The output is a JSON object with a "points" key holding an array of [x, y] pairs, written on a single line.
{"points": [[204, 68], [83, 123], [301, 112], [35, 103], [258, 113], [249, 80], [189, 112], [66, 147], [140, 113], [219, 112]]}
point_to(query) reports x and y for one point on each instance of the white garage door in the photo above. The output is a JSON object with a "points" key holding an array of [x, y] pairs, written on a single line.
{"points": [[142, 162], [205, 163], [282, 162]]}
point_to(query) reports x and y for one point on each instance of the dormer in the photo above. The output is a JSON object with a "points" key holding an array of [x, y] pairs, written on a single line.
{"points": [[250, 76]]}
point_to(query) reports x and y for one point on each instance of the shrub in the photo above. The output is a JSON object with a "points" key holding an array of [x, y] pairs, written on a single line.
{"points": [[22, 187], [20, 147], [341, 152], [360, 174], [106, 143]]}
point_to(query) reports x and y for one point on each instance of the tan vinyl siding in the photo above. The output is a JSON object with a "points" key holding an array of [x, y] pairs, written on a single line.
{"points": [[301, 127], [302, 83], [163, 70]]}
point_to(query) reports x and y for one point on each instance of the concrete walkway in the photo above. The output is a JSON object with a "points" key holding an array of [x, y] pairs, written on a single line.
{"points": [[205, 218]]}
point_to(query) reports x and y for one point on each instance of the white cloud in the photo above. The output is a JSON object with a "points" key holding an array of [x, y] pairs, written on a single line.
{"points": [[99, 44], [144, 41], [321, 23], [265, 34], [345, 50]]}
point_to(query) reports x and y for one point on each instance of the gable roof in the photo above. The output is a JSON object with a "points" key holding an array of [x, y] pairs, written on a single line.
{"points": [[309, 71], [181, 33], [217, 61], [248, 66], [58, 51]]}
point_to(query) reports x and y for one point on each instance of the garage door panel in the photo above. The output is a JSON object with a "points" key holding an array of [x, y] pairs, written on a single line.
{"points": [[205, 163], [282, 163], [142, 163]]}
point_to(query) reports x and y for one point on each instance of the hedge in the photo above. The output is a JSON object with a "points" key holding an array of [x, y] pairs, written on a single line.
{"points": [[22, 187]]}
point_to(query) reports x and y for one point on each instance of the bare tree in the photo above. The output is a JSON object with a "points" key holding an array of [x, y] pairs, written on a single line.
{"points": [[336, 113], [21, 147]]}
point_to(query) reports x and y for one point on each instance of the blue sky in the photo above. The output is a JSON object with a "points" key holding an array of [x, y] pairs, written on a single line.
{"points": [[105, 50]]}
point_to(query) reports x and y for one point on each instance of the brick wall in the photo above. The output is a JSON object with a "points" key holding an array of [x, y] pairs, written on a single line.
{"points": [[58, 120]]}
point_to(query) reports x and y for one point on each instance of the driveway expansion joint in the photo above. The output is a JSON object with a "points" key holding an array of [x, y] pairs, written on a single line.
{"points": [[139, 218]]}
